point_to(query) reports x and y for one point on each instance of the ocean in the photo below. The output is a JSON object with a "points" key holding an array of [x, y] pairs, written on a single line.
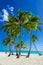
{"points": [[24, 52]]}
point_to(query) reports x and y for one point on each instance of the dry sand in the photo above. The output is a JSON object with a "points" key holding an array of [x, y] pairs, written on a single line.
{"points": [[34, 59]]}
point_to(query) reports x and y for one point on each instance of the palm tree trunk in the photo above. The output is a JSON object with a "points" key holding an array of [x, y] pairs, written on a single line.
{"points": [[6, 49], [19, 52], [29, 49], [30, 45], [36, 49], [16, 52], [20, 41], [10, 50], [11, 53]]}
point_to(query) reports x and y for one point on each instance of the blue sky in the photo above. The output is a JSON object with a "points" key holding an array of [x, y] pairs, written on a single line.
{"points": [[11, 6]]}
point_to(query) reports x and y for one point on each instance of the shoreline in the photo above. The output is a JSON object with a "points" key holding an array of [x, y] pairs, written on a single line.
{"points": [[23, 53], [34, 59]]}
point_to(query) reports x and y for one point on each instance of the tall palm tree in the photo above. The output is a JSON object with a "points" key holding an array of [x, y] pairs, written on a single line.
{"points": [[33, 25], [11, 29], [21, 20]]}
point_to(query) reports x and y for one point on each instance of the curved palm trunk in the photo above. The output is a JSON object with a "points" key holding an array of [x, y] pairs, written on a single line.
{"points": [[10, 53], [30, 46], [29, 49], [6, 49], [19, 52], [36, 49], [20, 41], [16, 52]]}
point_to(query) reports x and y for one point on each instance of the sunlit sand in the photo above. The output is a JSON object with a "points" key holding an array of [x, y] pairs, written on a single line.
{"points": [[34, 59]]}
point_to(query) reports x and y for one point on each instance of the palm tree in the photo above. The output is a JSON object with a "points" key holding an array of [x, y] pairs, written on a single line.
{"points": [[20, 46], [21, 20], [11, 29], [33, 25], [7, 43], [33, 39]]}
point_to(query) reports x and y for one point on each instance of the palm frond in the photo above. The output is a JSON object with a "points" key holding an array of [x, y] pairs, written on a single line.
{"points": [[34, 38]]}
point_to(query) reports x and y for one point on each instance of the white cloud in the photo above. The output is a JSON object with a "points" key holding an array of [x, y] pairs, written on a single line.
{"points": [[5, 15], [11, 8]]}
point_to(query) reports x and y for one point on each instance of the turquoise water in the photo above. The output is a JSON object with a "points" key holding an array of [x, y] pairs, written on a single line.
{"points": [[25, 52]]}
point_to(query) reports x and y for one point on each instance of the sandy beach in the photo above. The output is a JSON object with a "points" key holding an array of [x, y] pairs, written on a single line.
{"points": [[34, 59]]}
